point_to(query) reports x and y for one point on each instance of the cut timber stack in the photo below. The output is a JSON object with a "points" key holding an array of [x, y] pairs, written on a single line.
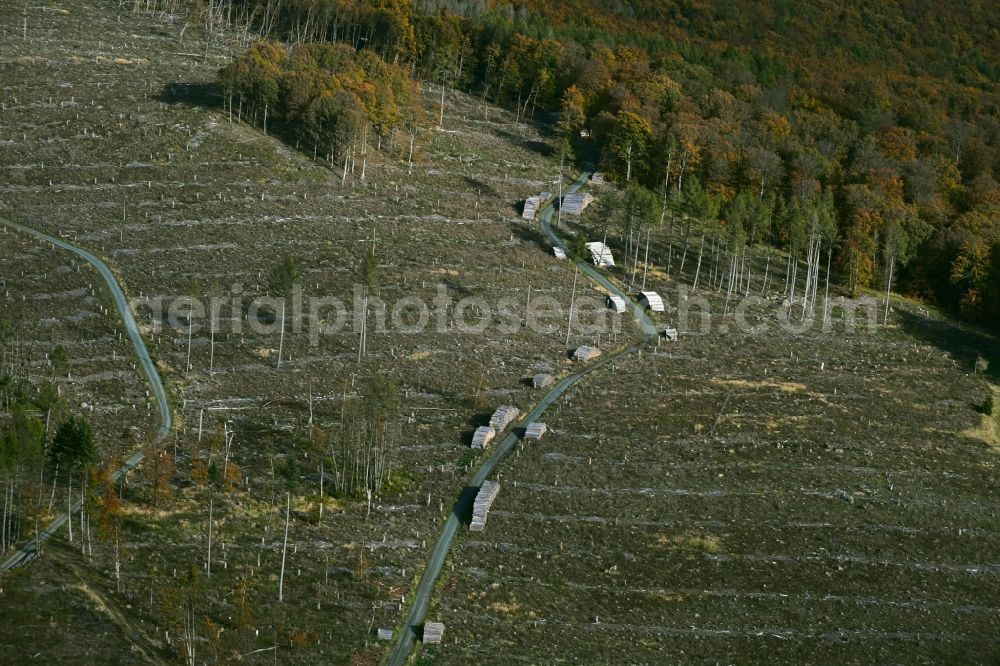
{"points": [[586, 353], [601, 254], [433, 632], [531, 205], [574, 204], [503, 417], [482, 437], [651, 300], [670, 334], [616, 303], [559, 252], [542, 380], [481, 507], [534, 430], [597, 178]]}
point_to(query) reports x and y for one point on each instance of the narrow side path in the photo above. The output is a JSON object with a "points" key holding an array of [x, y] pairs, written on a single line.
{"points": [[425, 589], [29, 551]]}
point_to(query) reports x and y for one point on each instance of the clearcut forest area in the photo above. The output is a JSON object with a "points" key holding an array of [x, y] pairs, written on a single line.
{"points": [[794, 461]]}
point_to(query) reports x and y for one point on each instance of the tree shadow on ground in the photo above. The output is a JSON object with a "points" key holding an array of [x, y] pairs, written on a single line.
{"points": [[457, 290], [476, 420], [964, 342], [530, 233], [538, 147], [202, 94], [479, 419], [463, 507], [484, 188]]}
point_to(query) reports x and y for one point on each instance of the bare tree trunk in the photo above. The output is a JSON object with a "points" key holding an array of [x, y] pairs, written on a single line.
{"points": [[645, 263], [795, 277], [687, 239], [809, 272], [670, 244], [733, 266], [187, 368], [826, 297], [635, 259], [284, 547], [888, 290], [3, 524], [364, 152], [83, 503], [69, 508], [364, 325], [748, 254], [225, 461], [788, 273], [628, 245], [715, 273], [697, 271], [572, 300], [767, 270], [321, 495], [55, 478], [562, 156], [211, 342], [815, 279], [118, 564], [208, 567], [441, 116], [680, 176], [281, 337]]}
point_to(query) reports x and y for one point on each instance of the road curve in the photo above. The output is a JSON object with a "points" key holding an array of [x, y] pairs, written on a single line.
{"points": [[28, 552], [425, 589]]}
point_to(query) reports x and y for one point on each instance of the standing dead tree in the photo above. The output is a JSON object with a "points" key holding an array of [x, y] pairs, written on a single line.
{"points": [[369, 278], [281, 282]]}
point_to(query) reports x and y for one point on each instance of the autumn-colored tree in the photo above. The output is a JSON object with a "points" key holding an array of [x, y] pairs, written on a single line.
{"points": [[971, 273], [393, 35], [908, 156], [183, 609], [572, 112], [629, 138], [331, 121], [161, 471], [110, 520], [199, 473]]}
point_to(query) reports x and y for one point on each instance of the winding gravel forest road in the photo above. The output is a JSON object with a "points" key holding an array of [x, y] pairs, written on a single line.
{"points": [[29, 551], [462, 508]]}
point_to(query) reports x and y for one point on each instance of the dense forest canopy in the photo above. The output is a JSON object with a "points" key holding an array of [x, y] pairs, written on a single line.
{"points": [[763, 119]]}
